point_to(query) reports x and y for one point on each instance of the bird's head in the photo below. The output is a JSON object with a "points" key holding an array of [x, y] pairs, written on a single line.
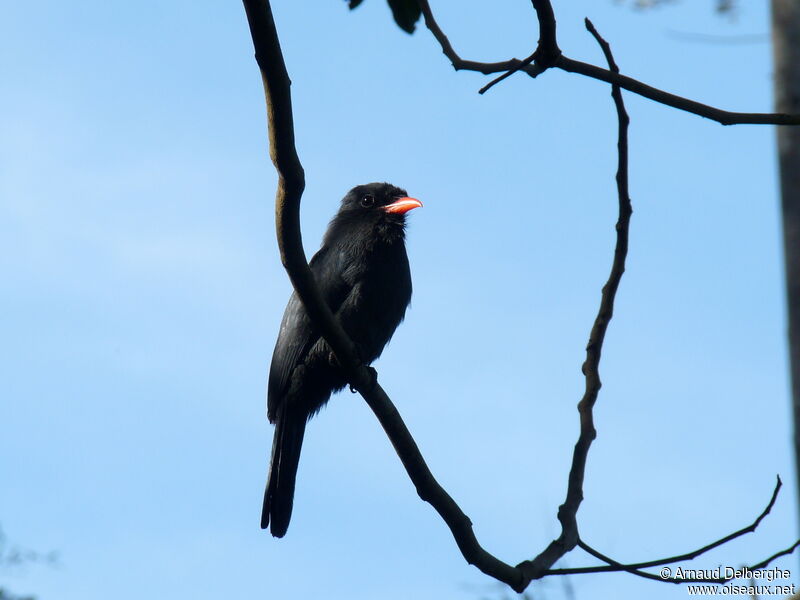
{"points": [[379, 207], [379, 199]]}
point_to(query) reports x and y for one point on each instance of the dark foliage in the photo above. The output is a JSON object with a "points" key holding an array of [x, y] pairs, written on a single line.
{"points": [[406, 13]]}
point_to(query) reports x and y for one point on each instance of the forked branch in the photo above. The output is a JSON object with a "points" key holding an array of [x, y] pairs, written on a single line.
{"points": [[548, 55], [287, 216]]}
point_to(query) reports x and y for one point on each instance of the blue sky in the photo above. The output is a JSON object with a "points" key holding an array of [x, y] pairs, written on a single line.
{"points": [[142, 292]]}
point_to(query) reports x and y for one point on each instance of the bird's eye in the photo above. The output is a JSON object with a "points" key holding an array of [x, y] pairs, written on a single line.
{"points": [[368, 201]]}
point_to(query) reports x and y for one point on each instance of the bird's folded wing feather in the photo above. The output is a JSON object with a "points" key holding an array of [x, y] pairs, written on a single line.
{"points": [[297, 335]]}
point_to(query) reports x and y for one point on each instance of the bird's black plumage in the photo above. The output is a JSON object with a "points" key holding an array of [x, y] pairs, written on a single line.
{"points": [[362, 271]]}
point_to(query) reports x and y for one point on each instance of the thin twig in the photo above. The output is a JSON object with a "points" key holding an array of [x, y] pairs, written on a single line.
{"points": [[591, 367], [665, 578], [768, 560], [680, 557], [459, 64], [618, 566], [518, 67]]}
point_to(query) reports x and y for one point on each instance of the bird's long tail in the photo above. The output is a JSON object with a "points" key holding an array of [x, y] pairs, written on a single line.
{"points": [[279, 495]]}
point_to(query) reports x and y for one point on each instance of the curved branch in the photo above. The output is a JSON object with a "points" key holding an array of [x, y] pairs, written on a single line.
{"points": [[287, 217], [591, 367], [434, 494], [548, 55], [459, 64], [723, 117], [616, 566], [291, 182], [635, 569]]}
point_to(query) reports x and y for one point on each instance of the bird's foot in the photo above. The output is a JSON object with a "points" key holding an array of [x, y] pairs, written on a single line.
{"points": [[372, 376]]}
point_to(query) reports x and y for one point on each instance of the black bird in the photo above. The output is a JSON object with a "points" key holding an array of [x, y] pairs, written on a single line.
{"points": [[363, 274]]}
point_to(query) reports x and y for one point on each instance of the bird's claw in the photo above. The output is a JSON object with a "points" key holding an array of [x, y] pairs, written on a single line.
{"points": [[373, 379]]}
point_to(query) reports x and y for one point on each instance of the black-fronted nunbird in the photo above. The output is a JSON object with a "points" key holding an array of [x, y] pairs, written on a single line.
{"points": [[363, 274]]}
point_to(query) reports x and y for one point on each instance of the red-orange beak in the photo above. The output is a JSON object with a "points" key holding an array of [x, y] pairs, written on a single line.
{"points": [[402, 205]]}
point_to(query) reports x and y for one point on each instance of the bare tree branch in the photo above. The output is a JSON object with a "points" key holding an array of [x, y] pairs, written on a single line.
{"points": [[723, 117], [519, 66], [664, 578], [287, 217], [459, 64], [567, 512], [769, 559], [432, 492], [291, 182], [616, 566], [287, 214], [548, 55], [547, 50]]}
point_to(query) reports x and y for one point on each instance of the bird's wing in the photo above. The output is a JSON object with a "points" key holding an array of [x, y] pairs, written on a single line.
{"points": [[297, 336]]}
